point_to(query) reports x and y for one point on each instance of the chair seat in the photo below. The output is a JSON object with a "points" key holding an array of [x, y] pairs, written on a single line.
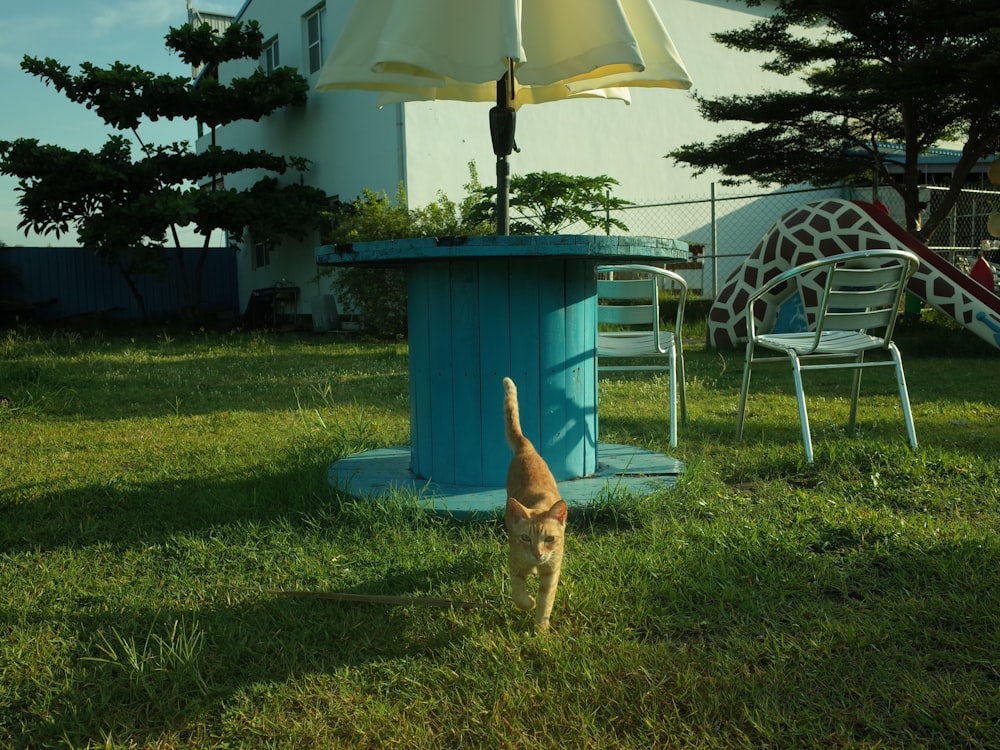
{"points": [[830, 342], [639, 344], [845, 297]]}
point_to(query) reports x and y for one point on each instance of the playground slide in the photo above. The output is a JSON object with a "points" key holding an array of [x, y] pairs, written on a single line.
{"points": [[835, 226]]}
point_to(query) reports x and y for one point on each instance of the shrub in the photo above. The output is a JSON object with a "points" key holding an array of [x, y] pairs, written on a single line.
{"points": [[378, 294]]}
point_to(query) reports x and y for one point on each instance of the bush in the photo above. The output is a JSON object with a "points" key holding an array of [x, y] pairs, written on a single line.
{"points": [[543, 203], [378, 294], [934, 334]]}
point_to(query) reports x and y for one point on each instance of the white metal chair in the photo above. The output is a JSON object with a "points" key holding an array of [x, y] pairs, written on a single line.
{"points": [[629, 301], [851, 301]]}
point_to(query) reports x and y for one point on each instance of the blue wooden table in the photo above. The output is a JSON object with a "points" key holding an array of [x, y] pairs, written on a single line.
{"points": [[482, 308]]}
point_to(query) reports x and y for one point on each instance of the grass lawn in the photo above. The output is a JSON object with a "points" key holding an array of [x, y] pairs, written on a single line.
{"points": [[160, 495]]}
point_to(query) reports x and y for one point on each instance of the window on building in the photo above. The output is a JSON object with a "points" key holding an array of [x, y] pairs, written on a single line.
{"points": [[315, 21], [261, 254], [269, 57]]}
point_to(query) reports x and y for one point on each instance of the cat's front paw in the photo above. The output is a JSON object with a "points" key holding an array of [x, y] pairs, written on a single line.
{"points": [[524, 601]]}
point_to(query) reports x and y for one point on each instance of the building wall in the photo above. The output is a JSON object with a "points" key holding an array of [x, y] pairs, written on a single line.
{"points": [[594, 136], [351, 146], [428, 145]]}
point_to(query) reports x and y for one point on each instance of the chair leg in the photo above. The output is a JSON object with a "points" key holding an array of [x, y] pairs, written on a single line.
{"points": [[744, 390], [680, 385], [673, 397], [800, 396], [904, 396], [855, 392]]}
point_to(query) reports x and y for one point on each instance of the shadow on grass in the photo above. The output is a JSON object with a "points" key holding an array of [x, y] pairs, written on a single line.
{"points": [[814, 632], [143, 674], [127, 381], [135, 673], [140, 514], [846, 637]]}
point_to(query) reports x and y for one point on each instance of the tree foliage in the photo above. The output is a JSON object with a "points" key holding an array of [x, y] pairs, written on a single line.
{"points": [[911, 72], [550, 202], [378, 294], [127, 199]]}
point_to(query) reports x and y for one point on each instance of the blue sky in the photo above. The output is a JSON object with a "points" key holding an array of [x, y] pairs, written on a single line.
{"points": [[75, 31]]}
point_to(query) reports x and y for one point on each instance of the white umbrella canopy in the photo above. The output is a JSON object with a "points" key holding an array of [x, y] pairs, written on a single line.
{"points": [[503, 50]]}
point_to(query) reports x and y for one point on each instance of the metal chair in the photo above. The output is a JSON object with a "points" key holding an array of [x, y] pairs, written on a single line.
{"points": [[850, 303], [629, 301]]}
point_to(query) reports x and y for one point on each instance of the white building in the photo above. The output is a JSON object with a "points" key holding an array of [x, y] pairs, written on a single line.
{"points": [[427, 146]]}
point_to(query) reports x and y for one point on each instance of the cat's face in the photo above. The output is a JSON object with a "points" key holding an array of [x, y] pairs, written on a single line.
{"points": [[538, 540], [538, 535]]}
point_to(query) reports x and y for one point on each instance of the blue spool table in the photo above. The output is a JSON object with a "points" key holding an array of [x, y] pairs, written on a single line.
{"points": [[480, 309]]}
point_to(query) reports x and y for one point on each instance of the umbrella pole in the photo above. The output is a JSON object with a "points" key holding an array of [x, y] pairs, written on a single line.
{"points": [[503, 195], [502, 131]]}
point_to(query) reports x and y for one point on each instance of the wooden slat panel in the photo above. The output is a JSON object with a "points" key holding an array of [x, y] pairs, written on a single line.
{"points": [[525, 364], [495, 365], [421, 440], [581, 442], [589, 345], [441, 382], [554, 384], [82, 284], [468, 382]]}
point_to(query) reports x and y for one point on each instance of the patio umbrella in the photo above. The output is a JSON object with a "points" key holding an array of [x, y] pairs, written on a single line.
{"points": [[481, 50], [509, 51]]}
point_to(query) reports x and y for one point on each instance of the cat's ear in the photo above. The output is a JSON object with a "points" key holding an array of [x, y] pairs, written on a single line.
{"points": [[515, 510], [558, 511]]}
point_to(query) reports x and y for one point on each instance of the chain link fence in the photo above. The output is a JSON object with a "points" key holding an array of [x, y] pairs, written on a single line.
{"points": [[964, 233], [727, 226]]}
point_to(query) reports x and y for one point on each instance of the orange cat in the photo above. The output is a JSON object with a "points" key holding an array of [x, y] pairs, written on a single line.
{"points": [[535, 518]]}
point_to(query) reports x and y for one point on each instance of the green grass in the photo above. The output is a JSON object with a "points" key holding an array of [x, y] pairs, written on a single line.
{"points": [[159, 493]]}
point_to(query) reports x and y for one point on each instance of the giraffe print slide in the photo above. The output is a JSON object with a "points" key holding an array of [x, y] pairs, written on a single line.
{"points": [[829, 227]]}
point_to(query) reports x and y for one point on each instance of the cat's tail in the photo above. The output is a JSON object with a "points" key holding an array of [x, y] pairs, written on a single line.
{"points": [[511, 415]]}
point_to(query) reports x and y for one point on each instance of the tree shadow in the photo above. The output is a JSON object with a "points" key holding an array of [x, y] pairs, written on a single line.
{"points": [[126, 380], [834, 631], [138, 514], [141, 673]]}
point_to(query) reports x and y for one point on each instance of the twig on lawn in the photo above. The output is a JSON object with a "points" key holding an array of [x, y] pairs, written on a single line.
{"points": [[419, 601]]}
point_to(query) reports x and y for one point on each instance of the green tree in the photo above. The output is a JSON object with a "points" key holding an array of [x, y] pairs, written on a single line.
{"points": [[549, 202], [911, 72], [126, 200], [379, 293]]}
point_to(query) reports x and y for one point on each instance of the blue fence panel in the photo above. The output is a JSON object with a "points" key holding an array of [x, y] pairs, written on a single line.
{"points": [[54, 283]]}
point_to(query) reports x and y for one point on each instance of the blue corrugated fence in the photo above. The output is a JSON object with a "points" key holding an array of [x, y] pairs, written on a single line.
{"points": [[80, 284]]}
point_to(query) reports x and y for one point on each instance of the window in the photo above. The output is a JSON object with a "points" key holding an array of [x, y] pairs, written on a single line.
{"points": [[315, 21], [269, 57], [261, 254]]}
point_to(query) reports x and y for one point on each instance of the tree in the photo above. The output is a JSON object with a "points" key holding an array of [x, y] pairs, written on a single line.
{"points": [[911, 72], [126, 200], [549, 202], [379, 293]]}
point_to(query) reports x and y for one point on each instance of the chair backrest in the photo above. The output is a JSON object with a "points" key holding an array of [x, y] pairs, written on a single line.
{"points": [[629, 295], [856, 291]]}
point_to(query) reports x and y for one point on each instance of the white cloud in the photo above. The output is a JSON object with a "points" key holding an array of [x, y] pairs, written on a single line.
{"points": [[123, 17]]}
